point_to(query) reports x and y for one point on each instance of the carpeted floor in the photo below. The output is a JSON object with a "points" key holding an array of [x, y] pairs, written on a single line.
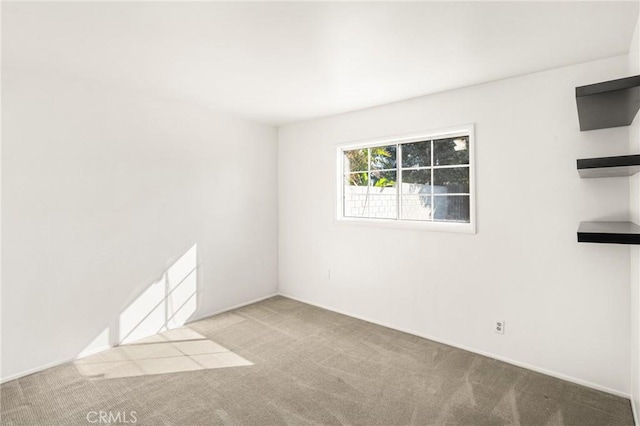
{"points": [[313, 367]]}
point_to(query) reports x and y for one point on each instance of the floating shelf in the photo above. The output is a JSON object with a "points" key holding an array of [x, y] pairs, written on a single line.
{"points": [[609, 232], [623, 165], [609, 104]]}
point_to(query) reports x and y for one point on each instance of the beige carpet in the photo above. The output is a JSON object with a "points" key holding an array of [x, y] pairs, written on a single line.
{"points": [[309, 366]]}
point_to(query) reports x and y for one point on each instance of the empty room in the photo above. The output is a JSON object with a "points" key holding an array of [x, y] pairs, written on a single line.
{"points": [[320, 213]]}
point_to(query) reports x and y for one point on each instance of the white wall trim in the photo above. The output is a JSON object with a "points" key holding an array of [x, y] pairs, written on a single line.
{"points": [[424, 336], [34, 370], [57, 363], [634, 410], [476, 351], [238, 306]]}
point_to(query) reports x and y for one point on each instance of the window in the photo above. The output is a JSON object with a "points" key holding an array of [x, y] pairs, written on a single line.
{"points": [[424, 179]]}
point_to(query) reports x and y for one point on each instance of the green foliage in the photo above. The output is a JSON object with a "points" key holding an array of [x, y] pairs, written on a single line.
{"points": [[359, 179], [384, 183], [416, 154], [383, 157], [358, 162]]}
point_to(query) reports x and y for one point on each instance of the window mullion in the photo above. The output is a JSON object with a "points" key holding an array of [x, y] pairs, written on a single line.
{"points": [[399, 182], [433, 200], [367, 199]]}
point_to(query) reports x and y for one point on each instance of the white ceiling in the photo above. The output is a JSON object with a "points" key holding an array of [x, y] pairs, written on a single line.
{"points": [[284, 62]]}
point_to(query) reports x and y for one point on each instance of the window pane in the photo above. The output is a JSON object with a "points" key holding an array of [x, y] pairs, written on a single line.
{"points": [[383, 157], [451, 181], [433, 185], [356, 160], [355, 195], [356, 179], [417, 154], [416, 181], [383, 206], [451, 208], [386, 179], [416, 206], [451, 151]]}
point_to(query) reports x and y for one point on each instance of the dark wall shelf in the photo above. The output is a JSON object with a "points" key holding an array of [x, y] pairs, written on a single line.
{"points": [[602, 105], [623, 165], [609, 232], [609, 104]]}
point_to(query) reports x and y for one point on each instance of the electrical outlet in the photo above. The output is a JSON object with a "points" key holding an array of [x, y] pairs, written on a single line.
{"points": [[498, 326]]}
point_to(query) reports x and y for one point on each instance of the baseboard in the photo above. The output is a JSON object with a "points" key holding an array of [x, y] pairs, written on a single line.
{"points": [[474, 350], [634, 409], [34, 370], [238, 306], [57, 363], [428, 337]]}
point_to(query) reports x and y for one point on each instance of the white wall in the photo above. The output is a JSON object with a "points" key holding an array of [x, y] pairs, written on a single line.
{"points": [[566, 305], [634, 194], [104, 190]]}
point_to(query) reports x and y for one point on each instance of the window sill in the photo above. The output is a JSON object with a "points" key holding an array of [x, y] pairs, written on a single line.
{"points": [[461, 228]]}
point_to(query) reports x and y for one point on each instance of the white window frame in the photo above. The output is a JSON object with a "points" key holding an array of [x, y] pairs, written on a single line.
{"points": [[463, 130]]}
